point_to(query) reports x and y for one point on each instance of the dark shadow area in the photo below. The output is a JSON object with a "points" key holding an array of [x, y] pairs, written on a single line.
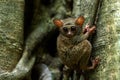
{"points": [[28, 16]]}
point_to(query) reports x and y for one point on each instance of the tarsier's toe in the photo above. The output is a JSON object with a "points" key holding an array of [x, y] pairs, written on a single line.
{"points": [[96, 61], [89, 29]]}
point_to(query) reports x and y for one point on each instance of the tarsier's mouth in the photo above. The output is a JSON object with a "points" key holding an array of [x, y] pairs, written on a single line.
{"points": [[69, 36]]}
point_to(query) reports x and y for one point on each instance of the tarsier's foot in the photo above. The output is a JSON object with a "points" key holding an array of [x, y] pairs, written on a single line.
{"points": [[89, 29], [95, 62]]}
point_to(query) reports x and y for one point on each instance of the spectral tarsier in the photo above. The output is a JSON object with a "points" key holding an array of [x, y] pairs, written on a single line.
{"points": [[73, 47]]}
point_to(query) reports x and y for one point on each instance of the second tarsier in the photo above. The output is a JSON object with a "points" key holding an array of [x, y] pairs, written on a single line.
{"points": [[73, 47]]}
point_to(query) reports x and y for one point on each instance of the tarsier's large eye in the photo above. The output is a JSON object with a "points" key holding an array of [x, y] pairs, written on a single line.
{"points": [[73, 28], [65, 29]]}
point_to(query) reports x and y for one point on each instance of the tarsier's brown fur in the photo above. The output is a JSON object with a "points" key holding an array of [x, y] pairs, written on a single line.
{"points": [[73, 47]]}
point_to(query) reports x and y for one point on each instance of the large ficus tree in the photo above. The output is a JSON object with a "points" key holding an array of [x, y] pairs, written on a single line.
{"points": [[27, 30]]}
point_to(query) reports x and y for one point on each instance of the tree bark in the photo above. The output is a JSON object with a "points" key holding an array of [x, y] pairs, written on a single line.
{"points": [[107, 40], [11, 31], [86, 8], [11, 39]]}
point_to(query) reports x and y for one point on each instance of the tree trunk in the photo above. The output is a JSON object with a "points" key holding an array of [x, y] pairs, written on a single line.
{"points": [[86, 8], [11, 31], [107, 40]]}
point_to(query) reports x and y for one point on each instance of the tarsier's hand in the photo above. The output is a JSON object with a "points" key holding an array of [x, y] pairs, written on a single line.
{"points": [[89, 29]]}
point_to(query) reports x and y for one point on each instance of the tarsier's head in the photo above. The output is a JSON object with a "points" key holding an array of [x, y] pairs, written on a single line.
{"points": [[69, 27]]}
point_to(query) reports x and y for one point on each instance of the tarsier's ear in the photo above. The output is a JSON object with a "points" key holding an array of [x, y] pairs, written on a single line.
{"points": [[80, 20], [58, 22]]}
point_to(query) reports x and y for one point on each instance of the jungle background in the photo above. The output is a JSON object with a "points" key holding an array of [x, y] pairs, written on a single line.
{"points": [[28, 37]]}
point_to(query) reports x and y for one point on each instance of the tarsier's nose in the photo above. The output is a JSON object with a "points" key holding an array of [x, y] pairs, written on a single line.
{"points": [[69, 34]]}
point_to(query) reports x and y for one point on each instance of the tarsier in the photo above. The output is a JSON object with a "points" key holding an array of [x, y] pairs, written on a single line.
{"points": [[73, 47]]}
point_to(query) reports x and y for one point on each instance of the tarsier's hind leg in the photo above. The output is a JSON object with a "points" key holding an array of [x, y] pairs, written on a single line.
{"points": [[95, 62], [67, 74], [85, 76], [78, 74]]}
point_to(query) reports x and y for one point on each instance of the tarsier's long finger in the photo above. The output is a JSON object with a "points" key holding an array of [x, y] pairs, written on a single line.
{"points": [[92, 29], [88, 25], [86, 29]]}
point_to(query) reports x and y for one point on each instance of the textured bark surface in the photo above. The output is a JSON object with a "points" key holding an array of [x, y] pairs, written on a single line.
{"points": [[11, 33], [86, 8], [107, 41]]}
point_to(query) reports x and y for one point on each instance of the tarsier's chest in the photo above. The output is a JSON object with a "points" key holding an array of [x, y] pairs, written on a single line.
{"points": [[71, 55]]}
